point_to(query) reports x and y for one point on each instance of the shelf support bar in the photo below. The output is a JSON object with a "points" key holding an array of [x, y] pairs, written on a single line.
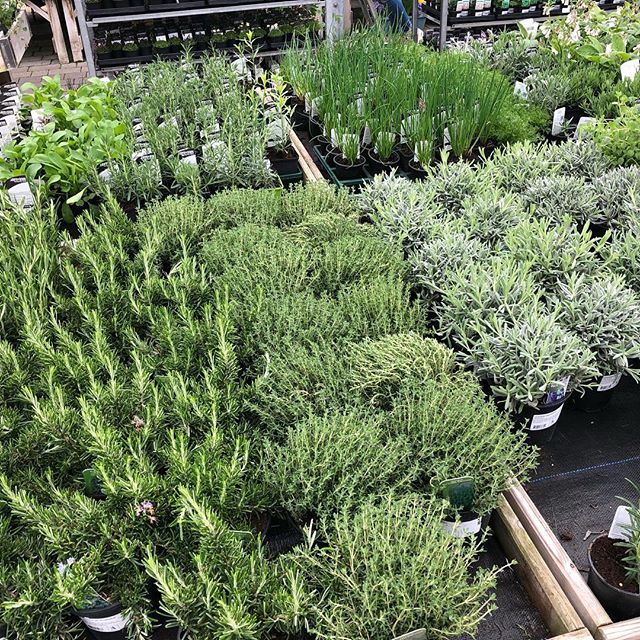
{"points": [[335, 14], [444, 19], [86, 38]]}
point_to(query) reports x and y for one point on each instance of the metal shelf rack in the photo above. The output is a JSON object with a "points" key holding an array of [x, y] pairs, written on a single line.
{"points": [[443, 20], [335, 13]]}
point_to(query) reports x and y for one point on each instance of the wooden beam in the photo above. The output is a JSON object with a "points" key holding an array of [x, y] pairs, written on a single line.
{"points": [[41, 11], [562, 567], [627, 630], [56, 29], [72, 31], [543, 589], [582, 634], [304, 156]]}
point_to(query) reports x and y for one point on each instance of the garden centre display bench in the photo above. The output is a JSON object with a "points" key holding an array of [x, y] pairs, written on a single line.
{"points": [[335, 12], [574, 499]]}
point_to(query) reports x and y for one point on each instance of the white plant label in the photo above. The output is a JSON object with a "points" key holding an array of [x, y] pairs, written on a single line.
{"points": [[520, 90], [366, 136], [277, 131], [105, 175], [161, 38], [39, 119], [609, 382], [621, 524], [446, 142], [112, 623], [314, 106], [418, 634], [462, 529], [584, 121], [545, 420], [558, 121], [530, 26], [21, 194], [407, 126], [360, 105], [190, 159], [629, 69]]}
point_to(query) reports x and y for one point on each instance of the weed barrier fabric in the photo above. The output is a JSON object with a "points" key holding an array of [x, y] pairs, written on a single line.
{"points": [[583, 471], [515, 618]]}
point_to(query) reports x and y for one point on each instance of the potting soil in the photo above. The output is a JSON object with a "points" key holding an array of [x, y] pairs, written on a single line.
{"points": [[583, 471]]}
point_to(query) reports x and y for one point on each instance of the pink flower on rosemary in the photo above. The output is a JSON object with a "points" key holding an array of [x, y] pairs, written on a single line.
{"points": [[148, 509]]}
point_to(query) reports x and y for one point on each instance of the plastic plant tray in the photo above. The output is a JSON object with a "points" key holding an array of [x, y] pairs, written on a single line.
{"points": [[357, 182]]}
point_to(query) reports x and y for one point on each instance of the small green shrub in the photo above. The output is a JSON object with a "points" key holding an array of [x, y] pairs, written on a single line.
{"points": [[605, 314], [515, 166], [619, 139], [554, 251], [318, 469], [382, 561], [556, 197]]}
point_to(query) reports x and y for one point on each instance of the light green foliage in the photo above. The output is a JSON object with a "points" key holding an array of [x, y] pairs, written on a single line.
{"points": [[632, 545], [619, 198], [358, 597], [515, 166], [436, 416], [318, 469], [528, 356], [619, 139], [554, 251], [380, 367], [555, 197], [605, 313], [580, 157], [623, 257], [81, 129]]}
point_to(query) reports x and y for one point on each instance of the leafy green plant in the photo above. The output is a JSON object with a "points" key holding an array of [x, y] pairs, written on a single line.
{"points": [[558, 196], [352, 603], [554, 252], [82, 130], [526, 357], [631, 560], [603, 312], [619, 139]]}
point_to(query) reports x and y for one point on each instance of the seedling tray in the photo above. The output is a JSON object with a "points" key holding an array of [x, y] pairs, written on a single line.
{"points": [[434, 12], [99, 12], [574, 496], [368, 177]]}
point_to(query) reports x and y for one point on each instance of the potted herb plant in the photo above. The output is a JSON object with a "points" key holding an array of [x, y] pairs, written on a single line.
{"points": [[605, 314], [614, 564], [130, 49], [280, 151]]}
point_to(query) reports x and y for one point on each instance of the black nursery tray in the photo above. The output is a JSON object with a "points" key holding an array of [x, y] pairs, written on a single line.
{"points": [[176, 6], [99, 12], [584, 469], [434, 12]]}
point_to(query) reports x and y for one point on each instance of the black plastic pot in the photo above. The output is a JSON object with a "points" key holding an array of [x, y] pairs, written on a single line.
{"points": [[120, 4], [415, 169], [540, 422], [382, 166], [324, 145], [619, 604], [3, 631], [593, 400], [106, 623], [300, 119], [315, 129], [344, 170], [284, 164]]}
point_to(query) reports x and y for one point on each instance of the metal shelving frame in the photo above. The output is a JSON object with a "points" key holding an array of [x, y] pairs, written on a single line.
{"points": [[444, 25], [335, 11]]}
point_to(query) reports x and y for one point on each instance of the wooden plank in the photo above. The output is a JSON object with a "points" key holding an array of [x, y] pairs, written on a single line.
{"points": [[627, 630], [543, 589], [582, 634], [39, 10], [304, 155], [20, 34], [563, 569], [56, 28], [72, 31], [306, 171]]}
